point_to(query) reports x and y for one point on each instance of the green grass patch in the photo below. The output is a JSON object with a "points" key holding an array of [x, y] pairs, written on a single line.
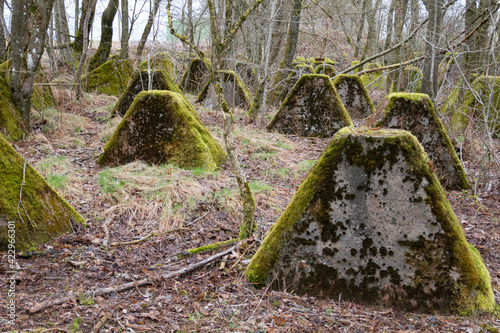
{"points": [[56, 181], [258, 187], [108, 183], [306, 165]]}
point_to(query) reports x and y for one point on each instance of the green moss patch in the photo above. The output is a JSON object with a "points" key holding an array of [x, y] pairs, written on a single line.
{"points": [[160, 80], [159, 61], [111, 78], [371, 223], [43, 97], [354, 96], [10, 117], [236, 92], [313, 108], [162, 127], [196, 76], [374, 80], [415, 113], [326, 69], [42, 215]]}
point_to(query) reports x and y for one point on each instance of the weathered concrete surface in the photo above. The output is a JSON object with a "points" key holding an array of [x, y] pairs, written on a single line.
{"points": [[415, 113], [354, 96], [140, 81], [162, 127], [43, 214], [111, 78], [372, 225], [196, 76], [236, 92], [313, 108]]}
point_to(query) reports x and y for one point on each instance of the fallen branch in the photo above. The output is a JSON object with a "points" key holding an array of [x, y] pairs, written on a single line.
{"points": [[134, 284], [101, 322], [148, 236]]}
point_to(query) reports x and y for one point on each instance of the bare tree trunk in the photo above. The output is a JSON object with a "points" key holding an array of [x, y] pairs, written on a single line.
{"points": [[29, 30], [432, 56], [3, 39], [125, 30], [88, 6], [83, 57], [372, 27], [399, 20], [77, 13], [389, 29], [147, 29], [361, 28], [102, 54], [62, 30], [289, 53]]}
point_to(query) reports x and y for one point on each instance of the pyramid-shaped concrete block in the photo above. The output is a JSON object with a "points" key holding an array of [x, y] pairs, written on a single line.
{"points": [[236, 92], [371, 224], [162, 127], [159, 61], [160, 80], [196, 76], [111, 78], [31, 212], [415, 113], [312, 108], [354, 96]]}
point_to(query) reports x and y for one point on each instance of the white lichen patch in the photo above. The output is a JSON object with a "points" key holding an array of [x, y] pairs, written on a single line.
{"points": [[354, 96]]}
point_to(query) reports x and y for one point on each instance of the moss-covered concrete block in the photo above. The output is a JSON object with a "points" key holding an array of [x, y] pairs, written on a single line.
{"points": [[371, 224], [326, 69], [415, 113], [10, 117], [140, 81], [354, 96], [196, 76], [111, 78], [159, 61], [41, 214], [162, 127], [43, 96], [312, 108], [410, 81], [481, 104], [236, 92]]}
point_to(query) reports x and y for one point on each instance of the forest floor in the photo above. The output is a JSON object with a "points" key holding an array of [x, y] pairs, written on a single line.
{"points": [[188, 209]]}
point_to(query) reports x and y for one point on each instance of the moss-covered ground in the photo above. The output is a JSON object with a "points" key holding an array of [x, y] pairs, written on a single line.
{"points": [[134, 200]]}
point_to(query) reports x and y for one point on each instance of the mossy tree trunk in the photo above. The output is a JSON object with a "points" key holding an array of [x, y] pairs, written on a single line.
{"points": [[62, 30], [361, 27], [83, 57], [30, 20], [289, 52], [102, 54], [221, 46], [88, 6], [371, 37]]}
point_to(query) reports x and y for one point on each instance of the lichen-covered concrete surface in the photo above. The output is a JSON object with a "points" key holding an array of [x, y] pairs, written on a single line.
{"points": [[162, 127], [354, 96], [415, 113], [371, 224], [313, 108], [140, 81], [42, 215]]}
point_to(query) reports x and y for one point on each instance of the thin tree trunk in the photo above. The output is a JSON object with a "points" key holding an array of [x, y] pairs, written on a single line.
{"points": [[147, 29], [85, 39], [125, 30], [289, 52], [372, 27], [3, 39], [87, 6], [361, 28], [77, 14], [62, 30], [432, 56], [389, 29]]}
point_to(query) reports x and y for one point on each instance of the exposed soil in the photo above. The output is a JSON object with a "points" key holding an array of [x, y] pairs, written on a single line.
{"points": [[215, 297]]}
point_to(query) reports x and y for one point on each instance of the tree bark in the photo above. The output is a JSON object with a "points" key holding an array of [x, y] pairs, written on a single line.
{"points": [[88, 6], [62, 30], [147, 29], [361, 28], [3, 39], [436, 11], [85, 39], [289, 53], [30, 20], [125, 30], [102, 54], [389, 29]]}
